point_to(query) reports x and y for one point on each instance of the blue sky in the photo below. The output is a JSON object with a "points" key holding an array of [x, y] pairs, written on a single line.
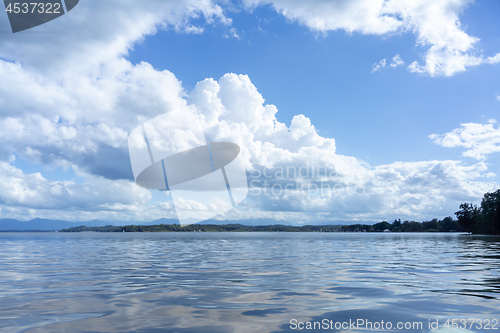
{"points": [[399, 99]]}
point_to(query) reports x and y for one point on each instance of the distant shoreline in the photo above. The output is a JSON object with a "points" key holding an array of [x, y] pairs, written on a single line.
{"points": [[230, 228], [248, 225]]}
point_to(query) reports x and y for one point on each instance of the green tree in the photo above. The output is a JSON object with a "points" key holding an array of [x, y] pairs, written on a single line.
{"points": [[468, 216], [381, 226], [447, 224], [432, 225], [413, 226], [489, 223], [396, 225]]}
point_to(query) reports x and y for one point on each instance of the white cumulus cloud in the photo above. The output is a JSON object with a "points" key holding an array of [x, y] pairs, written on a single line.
{"points": [[34, 191], [294, 169], [98, 31], [479, 140]]}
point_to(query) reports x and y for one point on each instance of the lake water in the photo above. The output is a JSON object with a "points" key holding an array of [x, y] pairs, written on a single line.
{"points": [[248, 282]]}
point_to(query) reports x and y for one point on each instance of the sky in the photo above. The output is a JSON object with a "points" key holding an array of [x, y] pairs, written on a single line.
{"points": [[389, 107]]}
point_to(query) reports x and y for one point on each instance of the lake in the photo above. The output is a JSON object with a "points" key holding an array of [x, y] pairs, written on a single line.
{"points": [[249, 282]]}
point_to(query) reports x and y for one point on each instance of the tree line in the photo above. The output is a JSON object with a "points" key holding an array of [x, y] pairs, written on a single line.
{"points": [[205, 228], [445, 225], [484, 219]]}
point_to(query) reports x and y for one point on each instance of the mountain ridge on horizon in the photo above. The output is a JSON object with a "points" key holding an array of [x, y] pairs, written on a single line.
{"points": [[40, 224]]}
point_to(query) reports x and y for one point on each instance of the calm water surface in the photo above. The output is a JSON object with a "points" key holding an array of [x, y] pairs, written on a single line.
{"points": [[246, 282]]}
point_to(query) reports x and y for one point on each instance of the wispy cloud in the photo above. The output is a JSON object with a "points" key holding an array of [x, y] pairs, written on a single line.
{"points": [[191, 29], [379, 65], [397, 61], [232, 33]]}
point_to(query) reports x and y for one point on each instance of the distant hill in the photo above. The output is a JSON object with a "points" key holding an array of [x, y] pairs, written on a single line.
{"points": [[52, 225], [155, 222], [250, 222], [44, 224]]}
